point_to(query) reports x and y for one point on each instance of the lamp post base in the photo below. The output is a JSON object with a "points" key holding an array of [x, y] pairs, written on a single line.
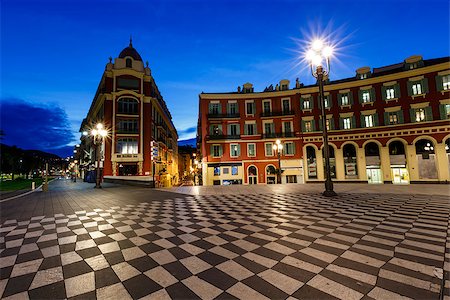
{"points": [[98, 187], [329, 189], [329, 193]]}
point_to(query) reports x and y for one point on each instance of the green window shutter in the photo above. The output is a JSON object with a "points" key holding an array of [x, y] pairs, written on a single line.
{"points": [[238, 129], [210, 108], [425, 85], [363, 124], [428, 114], [360, 96], [400, 118], [409, 86], [339, 99], [331, 123], [386, 118], [442, 112], [211, 150], [372, 94], [353, 122], [220, 150], [397, 90], [229, 129], [350, 98], [439, 83], [341, 123], [383, 93], [313, 125], [246, 129], [303, 126], [254, 108], [412, 113], [375, 119], [239, 150], [330, 101], [320, 124], [211, 131], [228, 108]]}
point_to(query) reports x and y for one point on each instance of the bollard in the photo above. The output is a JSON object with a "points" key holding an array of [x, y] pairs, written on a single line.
{"points": [[33, 185]]}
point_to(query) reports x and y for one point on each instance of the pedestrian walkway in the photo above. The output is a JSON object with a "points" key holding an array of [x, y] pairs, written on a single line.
{"points": [[124, 242]]}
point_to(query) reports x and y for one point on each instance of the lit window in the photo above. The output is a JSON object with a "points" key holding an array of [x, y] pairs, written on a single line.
{"points": [[216, 151], [417, 89], [390, 93], [363, 76], [420, 115], [328, 124], [447, 110], [251, 150], [306, 104], [368, 121], [446, 82], [268, 149], [216, 171], [366, 96], [393, 118], [234, 150], [327, 104], [289, 148], [347, 123], [127, 146], [344, 100], [308, 126]]}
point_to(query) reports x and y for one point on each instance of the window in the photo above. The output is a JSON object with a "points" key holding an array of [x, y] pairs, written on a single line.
{"points": [[345, 99], [347, 123], [269, 128], [284, 87], [216, 150], [368, 121], [446, 82], [416, 88], [250, 129], [226, 171], [306, 104], [392, 118], [390, 93], [234, 170], [128, 126], [216, 171], [232, 108], [214, 108], [447, 110], [235, 150], [327, 100], [366, 97], [233, 129], [268, 149], [286, 105], [127, 146], [308, 126], [128, 62], [266, 107], [128, 83], [251, 150], [287, 127], [420, 115], [250, 108], [215, 130], [289, 148], [327, 122], [127, 106]]}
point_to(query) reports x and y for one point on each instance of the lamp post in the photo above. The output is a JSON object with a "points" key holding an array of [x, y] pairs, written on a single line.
{"points": [[316, 55], [98, 134], [278, 147]]}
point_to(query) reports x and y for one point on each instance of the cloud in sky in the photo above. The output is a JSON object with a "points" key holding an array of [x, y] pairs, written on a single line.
{"points": [[187, 133], [27, 125]]}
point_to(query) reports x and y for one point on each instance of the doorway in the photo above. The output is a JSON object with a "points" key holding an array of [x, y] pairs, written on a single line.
{"points": [[252, 175]]}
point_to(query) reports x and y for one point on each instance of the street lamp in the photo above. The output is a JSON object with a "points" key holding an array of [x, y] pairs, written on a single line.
{"points": [[98, 134], [316, 55], [278, 147]]}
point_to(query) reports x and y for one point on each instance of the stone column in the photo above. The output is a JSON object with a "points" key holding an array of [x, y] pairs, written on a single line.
{"points": [[412, 163], [441, 162], [361, 163], [339, 156], [320, 166]]}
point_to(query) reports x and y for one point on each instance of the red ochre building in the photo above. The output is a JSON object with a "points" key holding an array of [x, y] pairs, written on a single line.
{"points": [[135, 114], [386, 125]]}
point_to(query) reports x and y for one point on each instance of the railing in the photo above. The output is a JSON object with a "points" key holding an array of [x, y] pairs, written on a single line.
{"points": [[223, 116], [223, 137], [277, 135], [277, 113], [133, 131]]}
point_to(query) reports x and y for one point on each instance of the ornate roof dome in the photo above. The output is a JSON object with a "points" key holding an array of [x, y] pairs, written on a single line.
{"points": [[130, 51]]}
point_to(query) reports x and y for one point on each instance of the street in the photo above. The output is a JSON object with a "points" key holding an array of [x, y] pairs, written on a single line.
{"points": [[260, 242]]}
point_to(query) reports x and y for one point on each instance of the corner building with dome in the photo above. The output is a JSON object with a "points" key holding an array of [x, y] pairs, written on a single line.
{"points": [[133, 111], [385, 125]]}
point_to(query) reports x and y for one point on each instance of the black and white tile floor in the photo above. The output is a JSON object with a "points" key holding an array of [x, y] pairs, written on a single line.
{"points": [[264, 246]]}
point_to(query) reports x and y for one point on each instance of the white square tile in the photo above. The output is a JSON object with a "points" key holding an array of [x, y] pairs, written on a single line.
{"points": [[80, 284], [118, 237], [46, 277], [109, 247], [162, 257], [7, 261], [96, 234], [32, 234], [138, 241], [116, 291], [97, 262], [132, 253], [235, 270], [26, 268], [195, 265], [164, 243], [14, 243], [70, 258], [50, 251], [202, 288], [67, 240], [125, 271], [28, 248], [285, 283], [85, 245], [161, 276]]}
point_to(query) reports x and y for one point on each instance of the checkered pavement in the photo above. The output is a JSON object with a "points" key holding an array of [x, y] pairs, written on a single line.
{"points": [[233, 246]]}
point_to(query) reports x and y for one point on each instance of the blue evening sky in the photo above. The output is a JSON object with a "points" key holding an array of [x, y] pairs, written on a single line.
{"points": [[53, 53]]}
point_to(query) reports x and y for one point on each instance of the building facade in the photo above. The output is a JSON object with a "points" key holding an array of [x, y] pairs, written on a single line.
{"points": [[385, 125], [137, 119]]}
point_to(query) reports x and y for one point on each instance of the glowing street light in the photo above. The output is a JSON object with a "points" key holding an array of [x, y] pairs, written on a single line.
{"points": [[319, 53], [278, 147], [98, 134]]}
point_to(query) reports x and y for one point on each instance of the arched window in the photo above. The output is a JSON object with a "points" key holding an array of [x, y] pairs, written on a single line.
{"points": [[128, 63], [127, 106]]}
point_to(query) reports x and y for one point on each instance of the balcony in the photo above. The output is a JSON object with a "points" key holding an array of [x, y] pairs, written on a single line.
{"points": [[277, 113], [223, 116], [277, 135], [127, 131], [224, 137]]}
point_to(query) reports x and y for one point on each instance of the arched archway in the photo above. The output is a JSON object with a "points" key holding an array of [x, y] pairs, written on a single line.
{"points": [[426, 159], [332, 161], [350, 164], [373, 162], [311, 162], [271, 174], [397, 159], [252, 175]]}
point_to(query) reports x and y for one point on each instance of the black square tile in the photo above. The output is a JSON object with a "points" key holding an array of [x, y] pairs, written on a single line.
{"points": [[250, 265], [150, 248], [55, 290], [293, 272], [218, 278], [50, 262], [18, 284], [124, 244], [90, 295], [143, 264], [178, 270], [29, 256], [114, 257], [6, 272], [212, 258], [47, 244], [175, 240], [67, 248], [203, 244], [140, 286], [105, 277], [89, 252], [226, 296], [179, 253], [269, 253], [180, 291], [10, 251], [76, 269], [310, 293]]}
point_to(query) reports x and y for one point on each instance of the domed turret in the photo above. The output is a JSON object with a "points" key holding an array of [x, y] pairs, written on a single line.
{"points": [[130, 51]]}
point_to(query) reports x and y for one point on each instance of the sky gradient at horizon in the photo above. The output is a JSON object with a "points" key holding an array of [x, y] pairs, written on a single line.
{"points": [[53, 53]]}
